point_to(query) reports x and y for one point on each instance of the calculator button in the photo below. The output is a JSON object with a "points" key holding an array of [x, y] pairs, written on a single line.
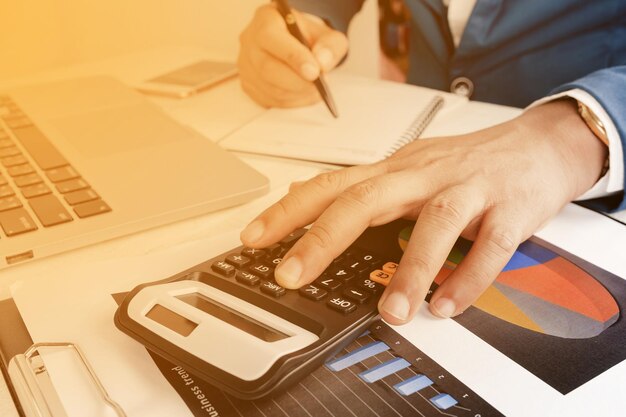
{"points": [[370, 286], [272, 289], [390, 268], [238, 261], [275, 261], [247, 278], [341, 304], [313, 292], [365, 257], [358, 266], [292, 237], [253, 253], [341, 273], [223, 268], [273, 250], [357, 294], [380, 277], [329, 283], [262, 270]]}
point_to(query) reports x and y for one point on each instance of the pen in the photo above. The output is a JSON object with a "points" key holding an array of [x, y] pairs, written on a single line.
{"points": [[294, 29]]}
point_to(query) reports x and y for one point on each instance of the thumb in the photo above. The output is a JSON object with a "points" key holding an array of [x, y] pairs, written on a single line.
{"points": [[330, 48]]}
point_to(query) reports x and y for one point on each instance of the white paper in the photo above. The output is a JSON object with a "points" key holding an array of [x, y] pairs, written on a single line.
{"points": [[373, 115]]}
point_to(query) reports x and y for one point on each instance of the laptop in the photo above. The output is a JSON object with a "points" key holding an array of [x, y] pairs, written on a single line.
{"points": [[85, 160]]}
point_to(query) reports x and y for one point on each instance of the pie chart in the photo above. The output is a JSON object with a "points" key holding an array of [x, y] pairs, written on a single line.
{"points": [[541, 291]]}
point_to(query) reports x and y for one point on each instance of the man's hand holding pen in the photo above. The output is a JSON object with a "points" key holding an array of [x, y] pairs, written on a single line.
{"points": [[277, 70]]}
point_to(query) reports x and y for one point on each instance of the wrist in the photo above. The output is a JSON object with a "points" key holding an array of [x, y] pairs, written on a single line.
{"points": [[581, 154]]}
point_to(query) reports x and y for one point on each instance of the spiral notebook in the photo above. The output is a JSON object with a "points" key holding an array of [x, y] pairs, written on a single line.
{"points": [[375, 118]]}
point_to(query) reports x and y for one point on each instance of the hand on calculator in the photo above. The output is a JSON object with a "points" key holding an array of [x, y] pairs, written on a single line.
{"points": [[496, 186]]}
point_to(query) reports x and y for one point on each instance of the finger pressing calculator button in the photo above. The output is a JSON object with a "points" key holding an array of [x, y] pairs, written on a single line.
{"points": [[329, 283], [292, 237], [223, 268], [262, 270], [272, 289], [253, 253], [313, 292], [341, 304], [247, 278], [238, 261], [380, 277], [390, 267], [357, 294], [370, 286]]}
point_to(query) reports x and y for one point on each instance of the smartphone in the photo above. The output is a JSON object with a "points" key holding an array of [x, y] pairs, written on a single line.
{"points": [[190, 79]]}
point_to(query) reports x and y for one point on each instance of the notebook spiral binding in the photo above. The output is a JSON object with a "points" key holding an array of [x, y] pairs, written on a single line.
{"points": [[417, 127]]}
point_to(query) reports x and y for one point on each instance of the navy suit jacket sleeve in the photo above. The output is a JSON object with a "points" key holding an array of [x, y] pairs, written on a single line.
{"points": [[608, 87], [336, 12]]}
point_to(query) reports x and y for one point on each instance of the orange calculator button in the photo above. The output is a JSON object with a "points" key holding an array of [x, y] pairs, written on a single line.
{"points": [[381, 277], [390, 267]]}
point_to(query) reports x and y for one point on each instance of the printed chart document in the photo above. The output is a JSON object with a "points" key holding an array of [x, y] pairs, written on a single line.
{"points": [[483, 362], [374, 119]]}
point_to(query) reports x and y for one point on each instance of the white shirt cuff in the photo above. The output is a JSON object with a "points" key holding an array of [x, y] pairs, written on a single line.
{"points": [[613, 180]]}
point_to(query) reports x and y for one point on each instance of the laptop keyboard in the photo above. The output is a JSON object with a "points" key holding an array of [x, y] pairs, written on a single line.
{"points": [[38, 186]]}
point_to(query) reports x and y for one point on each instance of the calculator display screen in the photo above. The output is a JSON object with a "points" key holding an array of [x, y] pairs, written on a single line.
{"points": [[171, 320], [232, 317]]}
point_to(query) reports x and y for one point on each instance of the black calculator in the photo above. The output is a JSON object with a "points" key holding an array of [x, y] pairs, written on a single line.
{"points": [[228, 322]]}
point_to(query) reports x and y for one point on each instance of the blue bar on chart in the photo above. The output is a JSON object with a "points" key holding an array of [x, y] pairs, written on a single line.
{"points": [[384, 369], [443, 401], [356, 356], [413, 384]]}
